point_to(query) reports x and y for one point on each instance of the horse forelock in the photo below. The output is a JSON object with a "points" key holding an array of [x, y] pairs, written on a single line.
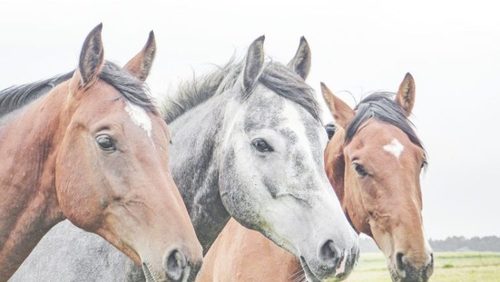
{"points": [[382, 107], [131, 88]]}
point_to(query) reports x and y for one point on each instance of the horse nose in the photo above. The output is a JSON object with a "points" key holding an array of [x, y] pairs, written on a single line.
{"points": [[341, 262], [175, 265], [412, 272], [338, 261]]}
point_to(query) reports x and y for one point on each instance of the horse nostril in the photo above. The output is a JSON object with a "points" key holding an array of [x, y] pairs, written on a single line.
{"points": [[175, 264], [430, 264], [328, 252], [399, 261], [429, 269]]}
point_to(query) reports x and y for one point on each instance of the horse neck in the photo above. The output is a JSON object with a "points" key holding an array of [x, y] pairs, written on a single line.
{"points": [[194, 161], [28, 206]]}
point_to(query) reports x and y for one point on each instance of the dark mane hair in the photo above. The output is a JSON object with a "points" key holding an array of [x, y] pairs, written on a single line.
{"points": [[275, 76], [15, 97], [130, 87], [381, 106]]}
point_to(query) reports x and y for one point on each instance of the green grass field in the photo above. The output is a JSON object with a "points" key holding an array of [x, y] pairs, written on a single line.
{"points": [[448, 267]]}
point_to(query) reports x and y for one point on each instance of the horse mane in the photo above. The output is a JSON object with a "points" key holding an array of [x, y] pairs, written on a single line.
{"points": [[275, 76], [131, 88], [381, 106], [15, 97]]}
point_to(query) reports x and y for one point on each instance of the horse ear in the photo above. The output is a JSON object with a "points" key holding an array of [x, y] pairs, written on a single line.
{"points": [[301, 62], [140, 65], [341, 112], [406, 94], [254, 63], [91, 57]]}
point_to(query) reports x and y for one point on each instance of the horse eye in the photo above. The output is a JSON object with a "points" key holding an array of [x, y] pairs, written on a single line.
{"points": [[330, 130], [261, 145], [360, 170], [105, 142]]}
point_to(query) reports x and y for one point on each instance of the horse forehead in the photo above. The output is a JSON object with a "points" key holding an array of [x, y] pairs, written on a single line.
{"points": [[267, 109], [306, 135], [139, 117], [394, 148], [263, 112], [395, 142], [299, 120], [278, 113], [382, 143], [379, 134]]}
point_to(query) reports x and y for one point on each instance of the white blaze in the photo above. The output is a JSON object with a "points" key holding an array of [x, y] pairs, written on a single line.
{"points": [[139, 116], [395, 148]]}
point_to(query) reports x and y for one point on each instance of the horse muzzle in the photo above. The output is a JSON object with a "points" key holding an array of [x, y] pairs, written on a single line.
{"points": [[177, 267], [404, 271]]}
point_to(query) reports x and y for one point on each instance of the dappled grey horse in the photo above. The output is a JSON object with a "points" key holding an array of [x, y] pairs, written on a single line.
{"points": [[247, 143]]}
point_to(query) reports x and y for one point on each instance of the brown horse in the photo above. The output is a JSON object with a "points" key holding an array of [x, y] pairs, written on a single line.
{"points": [[95, 151], [373, 161]]}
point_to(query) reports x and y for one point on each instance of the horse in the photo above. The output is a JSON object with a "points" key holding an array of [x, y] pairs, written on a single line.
{"points": [[93, 150], [373, 162], [247, 143]]}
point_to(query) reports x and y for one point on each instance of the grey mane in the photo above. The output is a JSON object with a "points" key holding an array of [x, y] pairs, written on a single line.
{"points": [[381, 106], [275, 76], [130, 87]]}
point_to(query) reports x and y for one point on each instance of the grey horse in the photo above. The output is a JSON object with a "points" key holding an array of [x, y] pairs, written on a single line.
{"points": [[247, 143]]}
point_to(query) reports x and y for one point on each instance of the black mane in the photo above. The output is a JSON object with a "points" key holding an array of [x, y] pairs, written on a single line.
{"points": [[130, 87], [15, 97], [381, 106]]}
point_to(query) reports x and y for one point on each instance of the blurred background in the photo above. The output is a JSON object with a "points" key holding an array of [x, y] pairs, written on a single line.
{"points": [[452, 48]]}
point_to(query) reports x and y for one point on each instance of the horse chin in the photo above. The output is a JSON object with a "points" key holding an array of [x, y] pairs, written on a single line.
{"points": [[148, 274], [311, 277], [395, 275], [307, 271]]}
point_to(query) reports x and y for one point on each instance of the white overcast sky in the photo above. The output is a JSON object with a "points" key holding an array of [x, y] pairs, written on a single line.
{"points": [[451, 47]]}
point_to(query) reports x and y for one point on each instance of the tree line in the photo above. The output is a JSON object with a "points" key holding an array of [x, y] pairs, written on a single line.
{"points": [[450, 244]]}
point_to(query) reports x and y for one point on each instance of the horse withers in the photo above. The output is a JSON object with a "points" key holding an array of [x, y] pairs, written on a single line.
{"points": [[93, 150], [374, 170]]}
